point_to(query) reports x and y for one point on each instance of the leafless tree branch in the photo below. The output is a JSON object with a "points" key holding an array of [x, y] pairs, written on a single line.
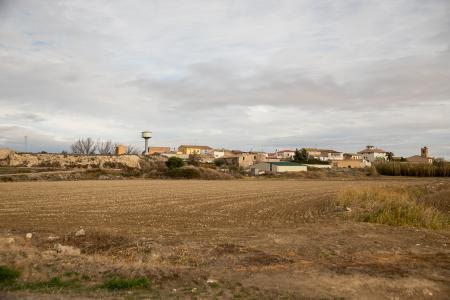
{"points": [[84, 146], [105, 147]]}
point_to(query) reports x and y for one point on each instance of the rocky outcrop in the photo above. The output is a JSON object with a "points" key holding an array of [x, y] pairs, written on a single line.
{"points": [[5, 156], [67, 161]]}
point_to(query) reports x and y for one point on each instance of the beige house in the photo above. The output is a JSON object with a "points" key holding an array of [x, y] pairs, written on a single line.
{"points": [[417, 159], [285, 154], [423, 158], [244, 160], [353, 156], [324, 154], [373, 154], [193, 149]]}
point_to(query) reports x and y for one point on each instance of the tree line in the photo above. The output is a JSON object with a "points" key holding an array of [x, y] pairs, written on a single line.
{"points": [[88, 146]]}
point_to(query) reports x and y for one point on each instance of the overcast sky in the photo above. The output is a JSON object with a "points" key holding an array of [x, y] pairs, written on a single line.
{"points": [[235, 74]]}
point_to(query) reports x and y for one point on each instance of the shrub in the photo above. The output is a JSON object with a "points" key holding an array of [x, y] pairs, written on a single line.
{"points": [[8, 274], [185, 172], [219, 162], [53, 283], [174, 162], [191, 172], [56, 282], [396, 207], [124, 284]]}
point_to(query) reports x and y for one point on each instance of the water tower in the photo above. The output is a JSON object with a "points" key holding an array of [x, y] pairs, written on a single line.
{"points": [[146, 135]]}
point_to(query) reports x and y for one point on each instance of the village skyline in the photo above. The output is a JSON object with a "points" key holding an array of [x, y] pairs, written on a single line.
{"points": [[28, 145]]}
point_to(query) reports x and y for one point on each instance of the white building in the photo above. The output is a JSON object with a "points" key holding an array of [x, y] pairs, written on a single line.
{"points": [[373, 154], [277, 167], [218, 153], [286, 154], [332, 155], [324, 154]]}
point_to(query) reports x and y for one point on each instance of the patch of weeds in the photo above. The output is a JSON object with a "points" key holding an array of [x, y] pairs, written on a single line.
{"points": [[85, 277], [214, 284], [125, 284], [71, 273], [8, 274], [53, 283], [327, 254], [395, 207]]}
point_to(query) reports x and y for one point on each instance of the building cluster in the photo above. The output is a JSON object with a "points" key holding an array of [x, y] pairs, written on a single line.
{"points": [[282, 160]]}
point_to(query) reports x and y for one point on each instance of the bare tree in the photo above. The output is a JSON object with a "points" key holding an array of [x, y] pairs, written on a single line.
{"points": [[131, 150], [84, 146], [105, 147]]}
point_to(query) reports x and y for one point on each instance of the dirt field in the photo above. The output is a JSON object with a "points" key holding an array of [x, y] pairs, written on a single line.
{"points": [[249, 238]]}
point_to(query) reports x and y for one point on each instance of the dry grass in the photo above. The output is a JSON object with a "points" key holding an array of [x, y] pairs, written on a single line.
{"points": [[412, 169], [395, 206]]}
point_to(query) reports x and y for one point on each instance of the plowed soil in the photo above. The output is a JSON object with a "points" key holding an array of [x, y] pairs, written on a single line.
{"points": [[256, 238]]}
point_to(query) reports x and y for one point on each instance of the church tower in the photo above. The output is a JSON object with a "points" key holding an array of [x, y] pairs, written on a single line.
{"points": [[424, 152]]}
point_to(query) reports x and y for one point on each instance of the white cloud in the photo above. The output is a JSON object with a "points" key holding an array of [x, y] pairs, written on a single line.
{"points": [[239, 74]]}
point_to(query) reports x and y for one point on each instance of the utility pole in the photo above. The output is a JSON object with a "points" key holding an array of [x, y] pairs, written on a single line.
{"points": [[26, 143]]}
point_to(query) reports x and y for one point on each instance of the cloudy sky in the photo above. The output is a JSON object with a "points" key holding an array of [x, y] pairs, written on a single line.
{"points": [[236, 74]]}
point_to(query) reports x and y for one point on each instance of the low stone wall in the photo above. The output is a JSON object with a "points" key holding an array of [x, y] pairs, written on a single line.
{"points": [[349, 164], [67, 161]]}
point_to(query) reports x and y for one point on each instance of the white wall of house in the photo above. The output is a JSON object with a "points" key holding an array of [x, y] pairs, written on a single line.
{"points": [[218, 154], [286, 154], [373, 156], [319, 166], [283, 169], [278, 169], [336, 156]]}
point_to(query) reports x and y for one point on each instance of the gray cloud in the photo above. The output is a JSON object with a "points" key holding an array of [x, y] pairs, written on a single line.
{"points": [[249, 74]]}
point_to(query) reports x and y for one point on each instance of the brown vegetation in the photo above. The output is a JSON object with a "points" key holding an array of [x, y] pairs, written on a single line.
{"points": [[412, 169], [396, 206]]}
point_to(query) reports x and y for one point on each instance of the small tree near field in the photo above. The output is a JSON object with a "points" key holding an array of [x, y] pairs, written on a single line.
{"points": [[84, 146], [389, 156], [174, 162], [131, 150], [301, 155], [105, 147], [219, 162]]}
